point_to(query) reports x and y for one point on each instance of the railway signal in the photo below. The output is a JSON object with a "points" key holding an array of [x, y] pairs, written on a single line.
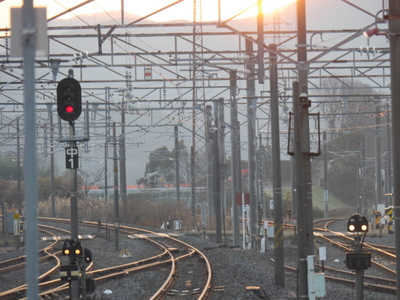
{"points": [[72, 248], [357, 223], [357, 259], [69, 99]]}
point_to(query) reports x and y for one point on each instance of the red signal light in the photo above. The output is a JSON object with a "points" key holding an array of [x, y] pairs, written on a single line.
{"points": [[69, 109]]}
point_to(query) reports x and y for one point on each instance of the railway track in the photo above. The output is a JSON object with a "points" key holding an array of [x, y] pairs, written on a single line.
{"points": [[189, 274], [374, 283]]}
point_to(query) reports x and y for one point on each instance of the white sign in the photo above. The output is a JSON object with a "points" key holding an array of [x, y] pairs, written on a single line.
{"points": [[271, 204], [322, 253], [17, 31], [16, 226], [326, 195]]}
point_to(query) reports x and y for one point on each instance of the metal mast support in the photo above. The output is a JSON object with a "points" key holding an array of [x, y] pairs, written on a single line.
{"points": [[326, 192], [122, 162], [217, 177], [177, 174], [235, 159], [378, 164], [116, 200], [209, 152], [276, 170], [303, 166], [198, 94], [394, 36], [251, 127], [30, 167]]}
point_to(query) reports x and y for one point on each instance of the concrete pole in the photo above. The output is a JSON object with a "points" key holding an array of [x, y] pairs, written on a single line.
{"points": [[19, 198], [209, 154], [30, 166], [276, 170], [221, 148], [217, 179], [52, 184], [378, 164], [116, 196], [122, 171], [107, 135], [394, 38], [389, 158], [326, 192], [251, 128], [177, 174], [235, 161], [122, 162]]}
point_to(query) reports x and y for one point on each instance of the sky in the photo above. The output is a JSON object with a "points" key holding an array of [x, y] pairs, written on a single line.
{"points": [[182, 10]]}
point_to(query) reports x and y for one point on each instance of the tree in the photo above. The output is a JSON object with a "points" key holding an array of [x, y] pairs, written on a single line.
{"points": [[348, 118], [161, 165], [91, 177]]}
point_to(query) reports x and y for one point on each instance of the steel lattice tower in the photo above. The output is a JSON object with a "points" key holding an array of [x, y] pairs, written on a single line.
{"points": [[198, 95]]}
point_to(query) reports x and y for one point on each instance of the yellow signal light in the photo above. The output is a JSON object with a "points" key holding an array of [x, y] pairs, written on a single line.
{"points": [[66, 251], [77, 251]]}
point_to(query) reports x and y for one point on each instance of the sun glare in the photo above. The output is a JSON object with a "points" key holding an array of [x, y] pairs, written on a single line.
{"points": [[272, 5], [181, 11]]}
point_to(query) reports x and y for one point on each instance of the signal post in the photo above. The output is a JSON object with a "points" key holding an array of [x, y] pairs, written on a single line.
{"points": [[69, 108], [358, 259]]}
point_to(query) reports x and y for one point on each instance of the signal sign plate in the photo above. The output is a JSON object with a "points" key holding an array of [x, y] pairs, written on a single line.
{"points": [[71, 158]]}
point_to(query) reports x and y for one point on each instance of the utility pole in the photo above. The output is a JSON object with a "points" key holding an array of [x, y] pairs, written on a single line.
{"points": [[326, 191], [303, 166], [122, 161], [378, 165], [221, 148], [19, 200], [177, 174], [251, 128], [394, 39], [209, 154], [30, 167], [389, 160], [276, 169], [116, 199], [52, 184], [217, 177], [235, 159]]}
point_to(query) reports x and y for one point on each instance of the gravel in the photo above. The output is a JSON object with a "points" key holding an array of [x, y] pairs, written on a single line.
{"points": [[234, 269]]}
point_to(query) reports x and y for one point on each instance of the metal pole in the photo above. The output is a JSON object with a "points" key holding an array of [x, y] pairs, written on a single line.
{"points": [[378, 167], [116, 199], [52, 184], [217, 180], [209, 154], [235, 161], [74, 208], [301, 190], [260, 38], [221, 150], [19, 200], [122, 162], [394, 38], [276, 170], [30, 168], [389, 158], [122, 171], [326, 192], [177, 174], [251, 127]]}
